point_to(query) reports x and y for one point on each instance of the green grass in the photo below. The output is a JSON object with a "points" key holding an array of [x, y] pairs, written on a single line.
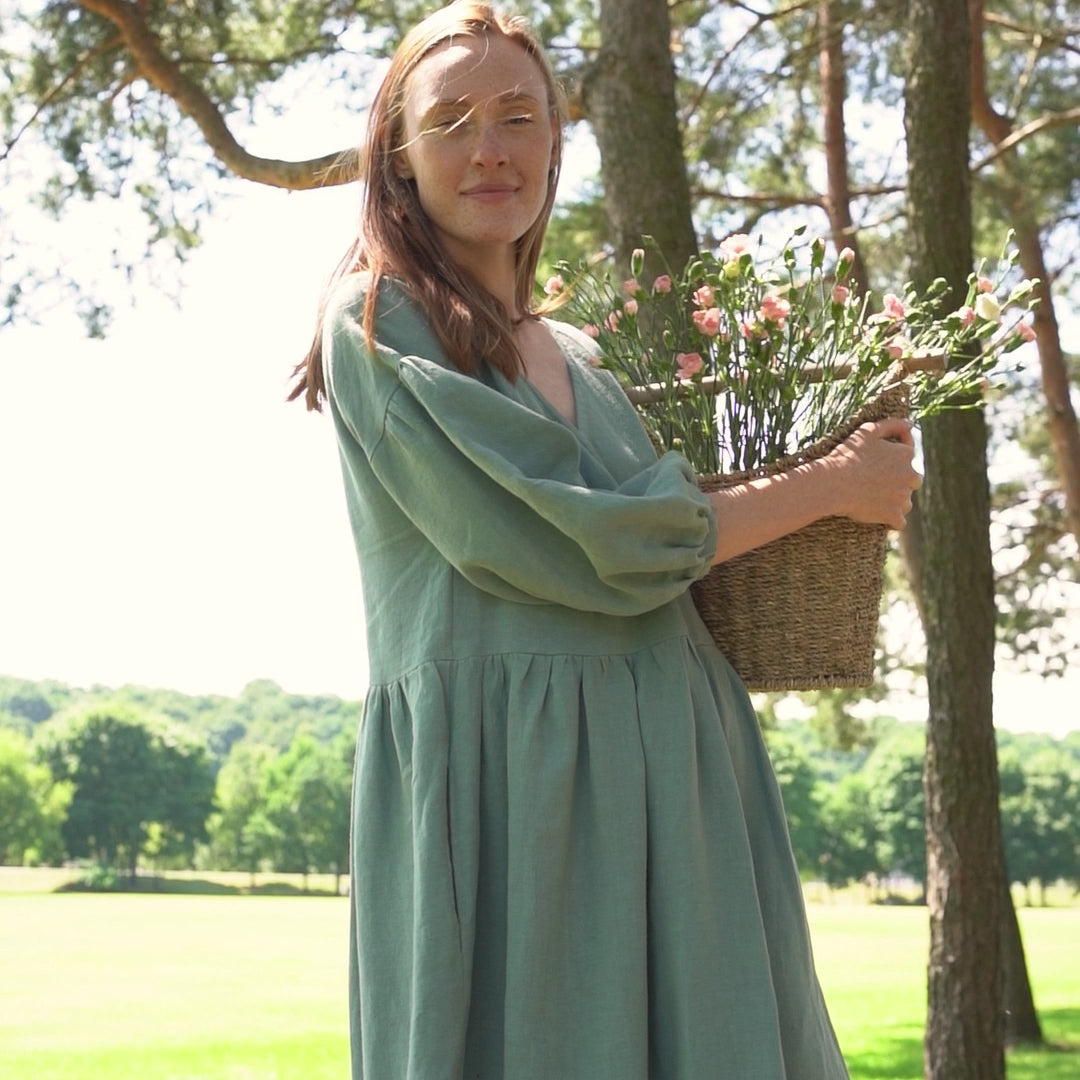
{"points": [[136, 987], [178, 987], [872, 964]]}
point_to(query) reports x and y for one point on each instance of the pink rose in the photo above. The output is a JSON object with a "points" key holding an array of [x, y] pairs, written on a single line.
{"points": [[893, 307], [984, 284], [708, 322], [662, 284], [590, 329], [688, 364], [630, 307], [774, 309], [612, 321], [966, 315], [840, 294], [554, 284], [1026, 331], [704, 297], [734, 245], [746, 330], [846, 256], [631, 287]]}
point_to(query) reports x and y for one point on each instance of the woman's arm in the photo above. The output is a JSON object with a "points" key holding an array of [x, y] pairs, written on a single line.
{"points": [[868, 477]]}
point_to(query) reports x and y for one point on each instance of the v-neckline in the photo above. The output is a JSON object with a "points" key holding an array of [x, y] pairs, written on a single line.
{"points": [[571, 373], [575, 397]]}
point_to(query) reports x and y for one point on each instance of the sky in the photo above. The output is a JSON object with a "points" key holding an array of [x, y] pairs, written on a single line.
{"points": [[167, 520]]}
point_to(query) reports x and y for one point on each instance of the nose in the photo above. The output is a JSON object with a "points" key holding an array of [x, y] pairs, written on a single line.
{"points": [[489, 149]]}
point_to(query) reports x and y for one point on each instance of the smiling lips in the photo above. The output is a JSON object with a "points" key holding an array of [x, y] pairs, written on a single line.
{"points": [[490, 190]]}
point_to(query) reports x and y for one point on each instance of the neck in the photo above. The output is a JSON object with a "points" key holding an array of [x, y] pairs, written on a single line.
{"points": [[496, 271]]}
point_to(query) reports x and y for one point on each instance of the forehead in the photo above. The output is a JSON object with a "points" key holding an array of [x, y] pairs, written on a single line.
{"points": [[473, 69]]}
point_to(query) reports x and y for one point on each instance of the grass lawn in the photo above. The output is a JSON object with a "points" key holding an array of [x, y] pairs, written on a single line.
{"points": [[179, 987], [172, 987], [872, 964]]}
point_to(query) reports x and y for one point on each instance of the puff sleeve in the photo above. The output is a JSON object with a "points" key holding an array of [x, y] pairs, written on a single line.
{"points": [[501, 491]]}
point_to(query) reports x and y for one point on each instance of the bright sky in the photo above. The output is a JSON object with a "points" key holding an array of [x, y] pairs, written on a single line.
{"points": [[166, 520]]}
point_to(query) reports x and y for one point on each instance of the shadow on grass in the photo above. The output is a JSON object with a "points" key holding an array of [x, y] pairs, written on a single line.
{"points": [[1059, 1059], [98, 883], [900, 1057]]}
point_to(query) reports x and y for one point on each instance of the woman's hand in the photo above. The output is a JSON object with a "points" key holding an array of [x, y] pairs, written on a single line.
{"points": [[868, 477], [872, 473]]}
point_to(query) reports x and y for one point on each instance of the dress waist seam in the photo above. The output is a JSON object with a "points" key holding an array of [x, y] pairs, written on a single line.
{"points": [[437, 661]]}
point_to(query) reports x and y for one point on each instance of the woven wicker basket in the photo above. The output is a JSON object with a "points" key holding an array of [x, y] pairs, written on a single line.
{"points": [[801, 613]]}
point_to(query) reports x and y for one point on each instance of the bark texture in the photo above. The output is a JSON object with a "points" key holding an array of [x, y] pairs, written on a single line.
{"points": [[630, 98], [965, 1028]]}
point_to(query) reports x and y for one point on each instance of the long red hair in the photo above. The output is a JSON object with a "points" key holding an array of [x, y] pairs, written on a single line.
{"points": [[396, 237]]}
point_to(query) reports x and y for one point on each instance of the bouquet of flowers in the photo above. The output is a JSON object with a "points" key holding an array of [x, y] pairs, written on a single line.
{"points": [[749, 366], [739, 362]]}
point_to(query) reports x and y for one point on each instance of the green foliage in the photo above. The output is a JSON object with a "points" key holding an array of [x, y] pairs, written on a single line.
{"points": [[848, 837], [1035, 554], [798, 781], [127, 772], [856, 815], [239, 833], [306, 796], [281, 794], [25, 704], [33, 806], [893, 774], [1040, 813]]}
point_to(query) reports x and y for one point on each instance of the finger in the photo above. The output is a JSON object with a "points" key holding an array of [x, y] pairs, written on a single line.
{"points": [[895, 428]]}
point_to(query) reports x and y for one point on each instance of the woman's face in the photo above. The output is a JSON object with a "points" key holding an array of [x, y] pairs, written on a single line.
{"points": [[479, 138]]}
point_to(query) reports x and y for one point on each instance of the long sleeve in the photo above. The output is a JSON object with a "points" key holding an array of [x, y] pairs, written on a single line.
{"points": [[501, 490]]}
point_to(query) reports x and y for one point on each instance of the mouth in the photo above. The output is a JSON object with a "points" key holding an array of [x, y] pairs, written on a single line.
{"points": [[490, 190]]}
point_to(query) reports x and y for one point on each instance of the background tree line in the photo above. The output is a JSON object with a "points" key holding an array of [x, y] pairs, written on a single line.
{"points": [[157, 779]]}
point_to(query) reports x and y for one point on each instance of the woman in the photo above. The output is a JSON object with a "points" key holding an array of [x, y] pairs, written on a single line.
{"points": [[570, 860]]}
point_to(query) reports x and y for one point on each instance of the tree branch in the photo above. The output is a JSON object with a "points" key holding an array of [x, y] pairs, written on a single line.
{"points": [[781, 198], [1061, 38], [167, 76], [760, 19], [1044, 123], [55, 92]]}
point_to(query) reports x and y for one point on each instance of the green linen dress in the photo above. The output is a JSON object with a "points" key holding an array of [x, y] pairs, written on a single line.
{"points": [[570, 858]]}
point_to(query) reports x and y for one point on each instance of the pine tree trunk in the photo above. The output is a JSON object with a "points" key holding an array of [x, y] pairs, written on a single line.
{"points": [[833, 79], [630, 98], [965, 1028]]}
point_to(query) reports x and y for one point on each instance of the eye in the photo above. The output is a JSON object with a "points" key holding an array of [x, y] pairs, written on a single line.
{"points": [[448, 122], [520, 119]]}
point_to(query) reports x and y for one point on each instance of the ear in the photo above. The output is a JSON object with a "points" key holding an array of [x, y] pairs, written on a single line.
{"points": [[402, 167]]}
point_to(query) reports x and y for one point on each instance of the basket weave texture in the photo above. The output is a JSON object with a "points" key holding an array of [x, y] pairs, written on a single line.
{"points": [[801, 613]]}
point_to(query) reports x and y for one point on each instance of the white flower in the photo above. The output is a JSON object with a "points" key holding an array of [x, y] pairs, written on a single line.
{"points": [[987, 307]]}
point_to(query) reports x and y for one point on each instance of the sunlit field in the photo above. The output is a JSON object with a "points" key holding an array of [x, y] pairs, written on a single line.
{"points": [[205, 987]]}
